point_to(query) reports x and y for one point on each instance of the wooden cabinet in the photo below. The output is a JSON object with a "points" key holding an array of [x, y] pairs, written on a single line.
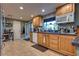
{"points": [[31, 34], [40, 38], [47, 40], [66, 46], [64, 9], [43, 40], [37, 21], [59, 43], [53, 42]]}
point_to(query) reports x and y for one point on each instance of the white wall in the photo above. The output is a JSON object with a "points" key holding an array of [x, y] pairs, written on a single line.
{"points": [[17, 29]]}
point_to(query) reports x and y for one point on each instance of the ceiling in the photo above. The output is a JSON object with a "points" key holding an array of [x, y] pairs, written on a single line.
{"points": [[12, 10]]}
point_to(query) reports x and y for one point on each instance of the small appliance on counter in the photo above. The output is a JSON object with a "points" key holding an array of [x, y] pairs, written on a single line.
{"points": [[69, 29]]}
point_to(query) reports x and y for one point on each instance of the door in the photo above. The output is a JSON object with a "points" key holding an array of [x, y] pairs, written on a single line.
{"points": [[27, 30], [17, 29]]}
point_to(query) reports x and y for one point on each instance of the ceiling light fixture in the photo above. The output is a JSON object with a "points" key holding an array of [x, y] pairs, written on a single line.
{"points": [[32, 15], [21, 17], [21, 7], [43, 10]]}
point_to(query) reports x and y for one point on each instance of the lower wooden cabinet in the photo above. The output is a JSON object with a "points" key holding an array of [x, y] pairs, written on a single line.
{"points": [[40, 38], [43, 39], [47, 40], [53, 42], [59, 43], [65, 45], [31, 36]]}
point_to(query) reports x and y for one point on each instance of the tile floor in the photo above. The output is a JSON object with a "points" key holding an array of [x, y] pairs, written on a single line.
{"points": [[24, 48]]}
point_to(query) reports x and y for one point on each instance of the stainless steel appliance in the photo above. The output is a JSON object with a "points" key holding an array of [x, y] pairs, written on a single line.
{"points": [[66, 18]]}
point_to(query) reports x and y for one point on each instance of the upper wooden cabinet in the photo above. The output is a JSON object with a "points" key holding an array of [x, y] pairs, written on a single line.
{"points": [[37, 21], [66, 8]]}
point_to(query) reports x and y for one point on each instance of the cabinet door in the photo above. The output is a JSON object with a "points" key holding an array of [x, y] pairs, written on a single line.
{"points": [[30, 36], [40, 37], [54, 42], [70, 8], [70, 47], [47, 40], [63, 43], [44, 40], [66, 46], [67, 8]]}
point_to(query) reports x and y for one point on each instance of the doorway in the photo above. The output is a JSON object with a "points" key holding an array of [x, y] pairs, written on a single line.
{"points": [[27, 30]]}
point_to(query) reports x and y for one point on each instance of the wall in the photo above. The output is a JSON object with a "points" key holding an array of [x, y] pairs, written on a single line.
{"points": [[17, 29], [0, 32], [77, 31], [49, 16]]}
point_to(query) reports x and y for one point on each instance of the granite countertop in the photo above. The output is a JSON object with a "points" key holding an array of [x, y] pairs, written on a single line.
{"points": [[58, 33]]}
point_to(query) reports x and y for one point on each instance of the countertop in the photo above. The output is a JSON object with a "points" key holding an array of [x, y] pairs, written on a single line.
{"points": [[58, 33]]}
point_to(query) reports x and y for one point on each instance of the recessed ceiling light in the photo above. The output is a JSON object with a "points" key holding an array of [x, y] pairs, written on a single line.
{"points": [[43, 10], [21, 7], [3, 11], [32, 15], [21, 17]]}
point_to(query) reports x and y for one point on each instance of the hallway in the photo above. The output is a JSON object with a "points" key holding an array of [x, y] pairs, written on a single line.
{"points": [[24, 48]]}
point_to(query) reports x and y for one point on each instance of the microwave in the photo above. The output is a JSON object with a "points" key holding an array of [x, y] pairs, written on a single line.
{"points": [[66, 18]]}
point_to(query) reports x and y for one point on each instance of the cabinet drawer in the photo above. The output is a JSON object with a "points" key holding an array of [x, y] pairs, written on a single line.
{"points": [[53, 36], [54, 46], [54, 41]]}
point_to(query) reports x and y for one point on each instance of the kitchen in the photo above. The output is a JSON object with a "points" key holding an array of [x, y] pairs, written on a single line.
{"points": [[57, 31]]}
